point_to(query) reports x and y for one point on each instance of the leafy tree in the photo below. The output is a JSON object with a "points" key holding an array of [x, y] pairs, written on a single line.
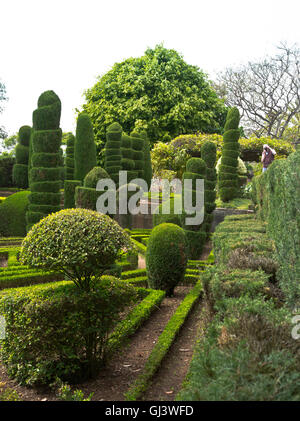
{"points": [[8, 144], [266, 92], [159, 93]]}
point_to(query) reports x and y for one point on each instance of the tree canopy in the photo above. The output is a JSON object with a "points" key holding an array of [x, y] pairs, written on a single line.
{"points": [[159, 93]]}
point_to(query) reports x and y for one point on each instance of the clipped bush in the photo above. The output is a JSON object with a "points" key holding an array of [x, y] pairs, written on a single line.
{"points": [[113, 155], [6, 169], [166, 257], [69, 161], [209, 154], [46, 139], [85, 147], [171, 217], [79, 242], [13, 215], [127, 161], [69, 193], [86, 198], [230, 150], [56, 330], [20, 169], [138, 146], [92, 177]]}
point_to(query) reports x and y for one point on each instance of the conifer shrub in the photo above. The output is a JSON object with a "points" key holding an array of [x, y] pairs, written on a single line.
{"points": [[127, 161], [147, 159], [69, 193], [86, 198], [113, 154], [138, 145], [13, 215], [209, 154], [69, 161], [166, 257], [230, 156], [196, 234], [20, 169], [92, 178], [85, 156], [45, 172]]}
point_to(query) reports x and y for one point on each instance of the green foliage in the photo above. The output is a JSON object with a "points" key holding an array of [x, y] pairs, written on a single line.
{"points": [[166, 257], [57, 330], [158, 93], [159, 217], [46, 139], [85, 147], [69, 162], [6, 169], [79, 242], [12, 215], [69, 193], [113, 155], [92, 178], [277, 197], [231, 145], [86, 198]]}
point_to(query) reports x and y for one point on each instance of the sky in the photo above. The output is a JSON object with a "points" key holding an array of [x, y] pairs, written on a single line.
{"points": [[63, 45]]}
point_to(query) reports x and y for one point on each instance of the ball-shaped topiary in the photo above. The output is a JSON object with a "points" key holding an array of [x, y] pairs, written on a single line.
{"points": [[78, 242], [166, 257], [13, 215], [92, 178]]}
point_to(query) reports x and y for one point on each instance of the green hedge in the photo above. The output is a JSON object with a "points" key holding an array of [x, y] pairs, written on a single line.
{"points": [[113, 156], [69, 193], [86, 198], [20, 169], [13, 215], [69, 161], [85, 147]]}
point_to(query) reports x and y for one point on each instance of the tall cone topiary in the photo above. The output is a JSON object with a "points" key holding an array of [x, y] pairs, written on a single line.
{"points": [[127, 162], [147, 159], [85, 155], [196, 234], [209, 155], [45, 173], [69, 161], [138, 153], [113, 154], [20, 169], [228, 173]]}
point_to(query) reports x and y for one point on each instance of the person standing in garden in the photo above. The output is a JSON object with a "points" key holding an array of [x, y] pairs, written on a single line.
{"points": [[267, 157]]}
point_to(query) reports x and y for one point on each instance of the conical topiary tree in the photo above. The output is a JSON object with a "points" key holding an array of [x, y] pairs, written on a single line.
{"points": [[85, 155], [45, 173], [69, 161], [127, 162], [228, 174], [113, 154], [196, 234], [209, 155], [138, 153], [20, 169], [147, 159]]}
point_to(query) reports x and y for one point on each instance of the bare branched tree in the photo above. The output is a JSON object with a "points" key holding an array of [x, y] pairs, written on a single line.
{"points": [[267, 93]]}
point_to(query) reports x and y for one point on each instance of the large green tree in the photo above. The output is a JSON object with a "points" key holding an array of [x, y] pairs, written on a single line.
{"points": [[159, 93]]}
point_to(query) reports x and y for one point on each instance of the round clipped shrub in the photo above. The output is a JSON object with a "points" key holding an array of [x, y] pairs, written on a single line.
{"points": [[166, 257], [196, 165], [13, 215], [92, 178], [79, 242]]}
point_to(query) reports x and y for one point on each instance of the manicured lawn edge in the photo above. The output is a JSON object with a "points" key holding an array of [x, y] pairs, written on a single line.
{"points": [[164, 343], [135, 318]]}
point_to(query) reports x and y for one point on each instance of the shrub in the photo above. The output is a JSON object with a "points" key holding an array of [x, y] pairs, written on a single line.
{"points": [[20, 169], [13, 215], [57, 330], [138, 146], [85, 147], [113, 154], [92, 178], [160, 218], [166, 257], [147, 159], [69, 193], [6, 169], [231, 145], [79, 242], [86, 198], [69, 162], [209, 154], [46, 139]]}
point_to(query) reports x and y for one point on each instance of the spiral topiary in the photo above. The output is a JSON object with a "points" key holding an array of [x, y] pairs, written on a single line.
{"points": [[20, 169], [85, 148], [196, 234], [228, 175], [45, 173], [166, 257], [138, 154], [127, 162], [209, 154], [147, 159], [113, 155], [69, 161]]}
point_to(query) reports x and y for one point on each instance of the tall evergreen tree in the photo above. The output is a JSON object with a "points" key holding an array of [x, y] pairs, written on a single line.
{"points": [[85, 148], [20, 169]]}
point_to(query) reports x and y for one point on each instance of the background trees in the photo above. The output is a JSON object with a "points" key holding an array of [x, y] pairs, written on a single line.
{"points": [[266, 92], [2, 99], [159, 93]]}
